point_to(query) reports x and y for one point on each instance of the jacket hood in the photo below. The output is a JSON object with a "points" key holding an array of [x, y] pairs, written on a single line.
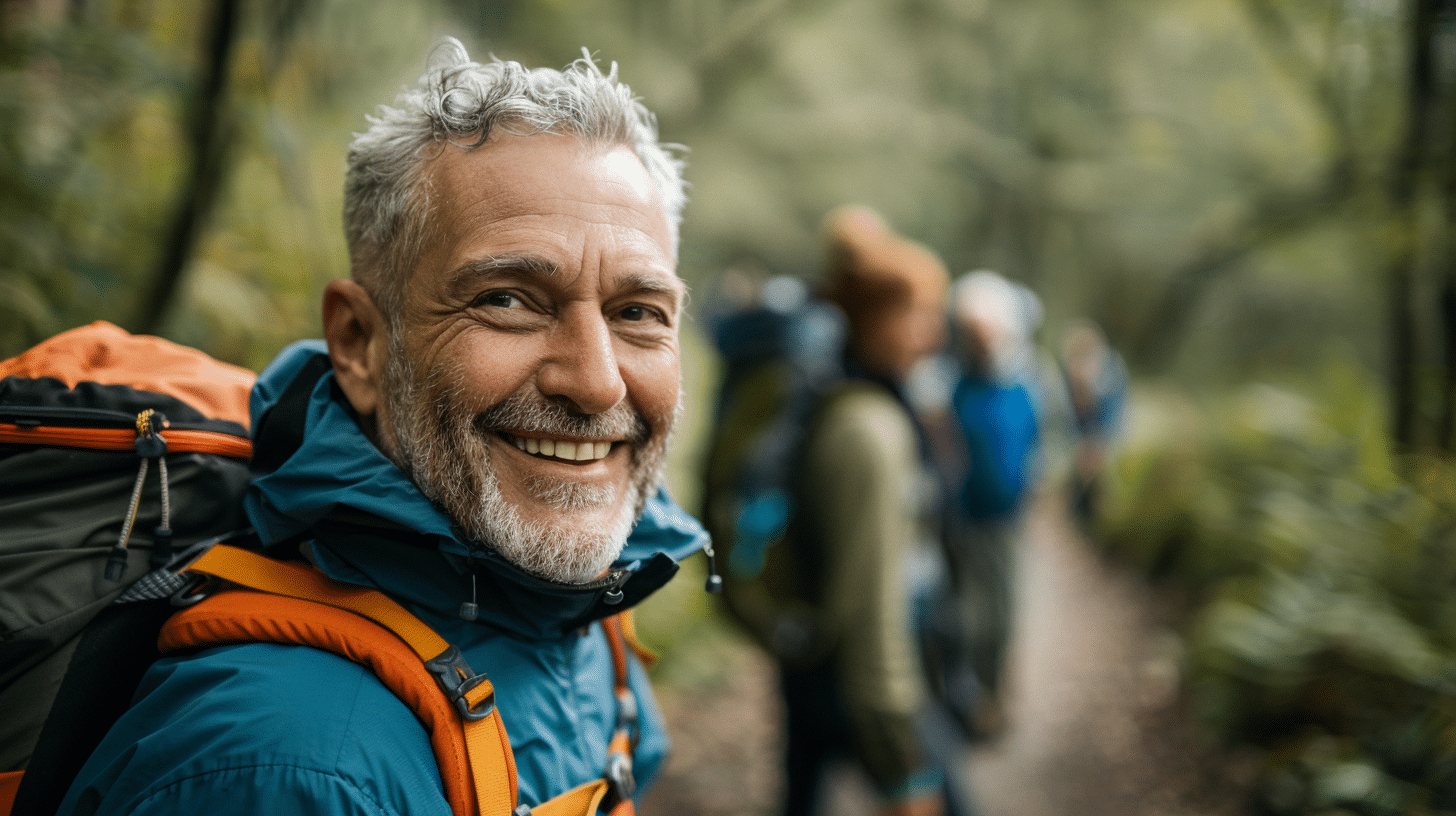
{"points": [[315, 472]]}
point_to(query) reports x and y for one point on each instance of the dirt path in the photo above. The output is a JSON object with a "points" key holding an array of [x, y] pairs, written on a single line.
{"points": [[1096, 726], [1096, 723]]}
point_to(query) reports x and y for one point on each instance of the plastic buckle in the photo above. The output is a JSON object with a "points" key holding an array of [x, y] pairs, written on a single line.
{"points": [[197, 586], [627, 710], [620, 782], [196, 590], [456, 679]]}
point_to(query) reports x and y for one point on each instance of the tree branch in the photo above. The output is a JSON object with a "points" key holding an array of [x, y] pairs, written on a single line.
{"points": [[1277, 215]]}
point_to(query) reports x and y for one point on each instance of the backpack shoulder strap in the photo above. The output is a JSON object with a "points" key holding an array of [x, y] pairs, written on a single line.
{"points": [[613, 791], [278, 602], [301, 606], [9, 786]]}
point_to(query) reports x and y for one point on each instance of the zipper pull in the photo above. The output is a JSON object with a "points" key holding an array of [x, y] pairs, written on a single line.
{"points": [[149, 445], [149, 442], [714, 584], [470, 610], [613, 595]]}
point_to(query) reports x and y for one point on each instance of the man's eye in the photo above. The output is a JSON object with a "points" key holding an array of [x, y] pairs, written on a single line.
{"points": [[500, 300], [636, 314]]}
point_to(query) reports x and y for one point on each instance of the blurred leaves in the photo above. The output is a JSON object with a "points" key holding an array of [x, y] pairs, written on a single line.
{"points": [[68, 127], [131, 150], [1320, 567], [1208, 179]]}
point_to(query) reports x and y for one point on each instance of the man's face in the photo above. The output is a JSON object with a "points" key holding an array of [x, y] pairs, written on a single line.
{"points": [[535, 376]]}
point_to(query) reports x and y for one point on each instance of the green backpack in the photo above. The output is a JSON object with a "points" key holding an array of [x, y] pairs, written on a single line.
{"points": [[782, 362]]}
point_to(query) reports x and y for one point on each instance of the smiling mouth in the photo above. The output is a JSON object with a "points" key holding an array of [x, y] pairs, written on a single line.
{"points": [[561, 449]]}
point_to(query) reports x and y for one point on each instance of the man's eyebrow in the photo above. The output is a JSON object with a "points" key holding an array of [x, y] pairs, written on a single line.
{"points": [[472, 273], [648, 283], [497, 265]]}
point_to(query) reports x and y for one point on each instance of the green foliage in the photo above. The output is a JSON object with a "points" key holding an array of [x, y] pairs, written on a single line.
{"points": [[1323, 625], [99, 103], [1167, 168], [85, 136]]}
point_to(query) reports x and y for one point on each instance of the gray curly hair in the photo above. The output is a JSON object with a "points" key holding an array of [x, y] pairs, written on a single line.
{"points": [[386, 208]]}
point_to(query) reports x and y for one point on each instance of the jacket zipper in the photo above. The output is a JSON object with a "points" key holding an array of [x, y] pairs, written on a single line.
{"points": [[612, 582]]}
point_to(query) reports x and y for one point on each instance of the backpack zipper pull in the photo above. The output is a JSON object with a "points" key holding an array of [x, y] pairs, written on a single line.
{"points": [[149, 442], [116, 561], [149, 445]]}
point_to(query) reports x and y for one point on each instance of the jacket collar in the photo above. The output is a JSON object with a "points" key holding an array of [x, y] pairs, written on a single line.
{"points": [[316, 475]]}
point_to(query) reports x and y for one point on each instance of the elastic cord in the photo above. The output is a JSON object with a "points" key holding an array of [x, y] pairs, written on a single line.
{"points": [[166, 525], [136, 498]]}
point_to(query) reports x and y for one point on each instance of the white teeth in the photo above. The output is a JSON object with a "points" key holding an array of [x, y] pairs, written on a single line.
{"points": [[561, 449]]}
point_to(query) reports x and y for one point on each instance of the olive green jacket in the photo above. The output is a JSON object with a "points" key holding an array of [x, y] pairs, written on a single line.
{"points": [[862, 498]]}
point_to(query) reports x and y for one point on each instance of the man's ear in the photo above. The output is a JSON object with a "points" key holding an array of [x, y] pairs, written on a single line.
{"points": [[358, 343]]}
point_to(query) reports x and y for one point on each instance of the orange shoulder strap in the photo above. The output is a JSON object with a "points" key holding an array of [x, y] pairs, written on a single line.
{"points": [[9, 785], [297, 605], [301, 606], [242, 616]]}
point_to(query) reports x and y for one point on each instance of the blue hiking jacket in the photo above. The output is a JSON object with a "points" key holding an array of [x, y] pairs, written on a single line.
{"points": [[262, 728], [1001, 428]]}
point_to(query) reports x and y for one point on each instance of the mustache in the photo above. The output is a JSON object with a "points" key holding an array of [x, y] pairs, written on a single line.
{"points": [[534, 414]]}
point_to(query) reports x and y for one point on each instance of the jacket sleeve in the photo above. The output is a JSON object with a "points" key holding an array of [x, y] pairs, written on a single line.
{"points": [[861, 472], [653, 743], [248, 790]]}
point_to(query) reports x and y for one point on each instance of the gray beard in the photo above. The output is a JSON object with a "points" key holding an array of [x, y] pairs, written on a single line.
{"points": [[442, 447]]}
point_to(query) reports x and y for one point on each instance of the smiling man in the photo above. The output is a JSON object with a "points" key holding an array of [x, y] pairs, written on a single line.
{"points": [[482, 437], [531, 379]]}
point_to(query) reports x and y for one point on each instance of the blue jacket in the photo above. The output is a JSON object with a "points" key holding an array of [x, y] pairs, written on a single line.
{"points": [[260, 728], [1001, 428]]}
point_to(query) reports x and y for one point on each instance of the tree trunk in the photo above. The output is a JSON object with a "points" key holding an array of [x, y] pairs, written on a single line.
{"points": [[1419, 418], [211, 135]]}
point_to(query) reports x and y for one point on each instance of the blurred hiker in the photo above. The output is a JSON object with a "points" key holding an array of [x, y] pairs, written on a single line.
{"points": [[1096, 380], [996, 410], [819, 560]]}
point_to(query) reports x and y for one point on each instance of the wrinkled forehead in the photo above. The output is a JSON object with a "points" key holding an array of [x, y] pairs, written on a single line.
{"points": [[546, 207], [513, 175]]}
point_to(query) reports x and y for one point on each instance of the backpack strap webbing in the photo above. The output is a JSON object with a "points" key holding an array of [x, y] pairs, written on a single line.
{"points": [[9, 786], [300, 606], [620, 632]]}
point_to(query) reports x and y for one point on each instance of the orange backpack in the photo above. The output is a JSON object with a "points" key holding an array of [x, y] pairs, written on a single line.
{"points": [[114, 449]]}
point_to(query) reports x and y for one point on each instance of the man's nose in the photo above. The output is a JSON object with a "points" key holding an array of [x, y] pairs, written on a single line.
{"points": [[581, 367]]}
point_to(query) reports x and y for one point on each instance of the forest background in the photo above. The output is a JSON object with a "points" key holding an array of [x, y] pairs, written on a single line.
{"points": [[1254, 199]]}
